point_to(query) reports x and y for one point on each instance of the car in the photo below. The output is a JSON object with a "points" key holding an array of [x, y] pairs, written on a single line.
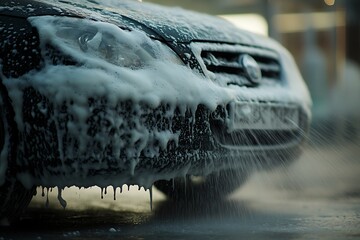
{"points": [[109, 93]]}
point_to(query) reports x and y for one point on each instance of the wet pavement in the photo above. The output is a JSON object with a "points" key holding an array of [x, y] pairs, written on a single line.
{"points": [[318, 197]]}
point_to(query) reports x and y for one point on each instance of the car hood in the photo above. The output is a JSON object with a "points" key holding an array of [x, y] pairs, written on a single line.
{"points": [[165, 23], [177, 24]]}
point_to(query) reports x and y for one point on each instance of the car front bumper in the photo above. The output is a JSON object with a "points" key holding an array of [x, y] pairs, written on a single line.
{"points": [[134, 143]]}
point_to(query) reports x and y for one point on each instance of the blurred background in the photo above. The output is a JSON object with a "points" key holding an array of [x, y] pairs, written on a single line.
{"points": [[324, 38]]}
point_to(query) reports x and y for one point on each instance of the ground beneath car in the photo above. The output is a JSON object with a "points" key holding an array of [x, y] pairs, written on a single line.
{"points": [[317, 197]]}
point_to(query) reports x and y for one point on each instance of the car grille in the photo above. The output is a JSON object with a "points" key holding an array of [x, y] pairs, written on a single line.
{"points": [[222, 61]]}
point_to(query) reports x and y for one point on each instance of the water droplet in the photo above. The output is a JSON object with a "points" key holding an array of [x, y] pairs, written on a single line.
{"points": [[61, 200], [151, 198], [47, 198], [114, 188]]}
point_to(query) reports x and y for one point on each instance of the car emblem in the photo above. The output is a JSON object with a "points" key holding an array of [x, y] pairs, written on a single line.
{"points": [[251, 68]]}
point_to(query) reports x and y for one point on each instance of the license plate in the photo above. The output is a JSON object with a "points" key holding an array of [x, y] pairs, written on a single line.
{"points": [[263, 116]]}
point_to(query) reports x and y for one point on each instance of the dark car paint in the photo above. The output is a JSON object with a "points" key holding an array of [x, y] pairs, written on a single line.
{"points": [[138, 14]]}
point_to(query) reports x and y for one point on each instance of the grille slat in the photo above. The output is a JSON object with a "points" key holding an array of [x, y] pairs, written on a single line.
{"points": [[225, 68], [275, 68]]}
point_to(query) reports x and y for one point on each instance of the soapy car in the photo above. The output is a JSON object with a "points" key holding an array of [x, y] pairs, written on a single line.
{"points": [[109, 93]]}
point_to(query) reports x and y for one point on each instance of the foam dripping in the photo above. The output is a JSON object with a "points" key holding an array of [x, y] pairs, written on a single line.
{"points": [[151, 198], [62, 202]]}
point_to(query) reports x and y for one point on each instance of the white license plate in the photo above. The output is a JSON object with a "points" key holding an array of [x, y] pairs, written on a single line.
{"points": [[263, 116]]}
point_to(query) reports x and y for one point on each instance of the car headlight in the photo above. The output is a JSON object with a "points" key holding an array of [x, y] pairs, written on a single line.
{"points": [[92, 42]]}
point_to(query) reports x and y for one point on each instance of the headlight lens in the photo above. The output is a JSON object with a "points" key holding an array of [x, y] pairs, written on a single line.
{"points": [[89, 41]]}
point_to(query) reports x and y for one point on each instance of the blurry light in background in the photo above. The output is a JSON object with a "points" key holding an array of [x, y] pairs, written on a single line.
{"points": [[250, 22], [299, 22], [329, 2]]}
